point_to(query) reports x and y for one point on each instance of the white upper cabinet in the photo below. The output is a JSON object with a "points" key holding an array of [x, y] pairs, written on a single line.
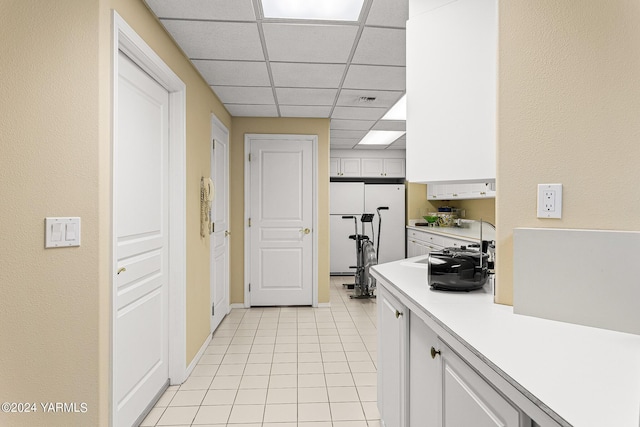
{"points": [[451, 91], [480, 190], [346, 167], [378, 167], [390, 168]]}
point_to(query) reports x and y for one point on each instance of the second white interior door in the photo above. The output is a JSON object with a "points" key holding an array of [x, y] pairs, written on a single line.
{"points": [[281, 210]]}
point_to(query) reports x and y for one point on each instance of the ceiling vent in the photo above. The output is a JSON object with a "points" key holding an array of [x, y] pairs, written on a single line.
{"points": [[366, 99]]}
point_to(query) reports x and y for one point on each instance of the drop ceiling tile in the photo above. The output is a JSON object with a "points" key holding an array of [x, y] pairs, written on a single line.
{"points": [[241, 110], [343, 142], [221, 10], [286, 74], [352, 134], [352, 124], [390, 125], [398, 145], [309, 43], [217, 40], [244, 95], [375, 77], [384, 99], [388, 13], [295, 96], [234, 73], [305, 111], [381, 46], [358, 113]]}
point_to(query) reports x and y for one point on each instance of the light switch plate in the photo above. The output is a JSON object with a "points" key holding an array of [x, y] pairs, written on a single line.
{"points": [[549, 200], [62, 232]]}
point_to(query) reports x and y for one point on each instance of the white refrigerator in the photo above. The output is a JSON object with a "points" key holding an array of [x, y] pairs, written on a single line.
{"points": [[356, 198]]}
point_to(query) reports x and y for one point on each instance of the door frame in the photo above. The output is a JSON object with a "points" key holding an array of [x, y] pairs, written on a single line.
{"points": [[247, 208], [219, 131], [125, 39]]}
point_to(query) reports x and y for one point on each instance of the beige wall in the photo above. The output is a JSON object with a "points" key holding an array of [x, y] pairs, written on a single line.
{"points": [[48, 167], [243, 125], [55, 161], [569, 102], [418, 205], [201, 103]]}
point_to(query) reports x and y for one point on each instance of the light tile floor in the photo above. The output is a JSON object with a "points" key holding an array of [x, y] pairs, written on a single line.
{"points": [[283, 367]]}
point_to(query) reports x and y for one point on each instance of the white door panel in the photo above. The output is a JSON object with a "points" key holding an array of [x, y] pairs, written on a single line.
{"points": [[219, 239], [281, 212], [141, 242]]}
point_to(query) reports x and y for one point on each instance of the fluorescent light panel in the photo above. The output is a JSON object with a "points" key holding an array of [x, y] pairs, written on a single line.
{"points": [[329, 10], [398, 111], [381, 137]]}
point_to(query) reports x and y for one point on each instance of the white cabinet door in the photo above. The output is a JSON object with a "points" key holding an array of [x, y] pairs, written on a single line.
{"points": [[468, 400], [392, 353], [334, 166], [393, 168], [451, 76], [372, 167], [350, 167], [424, 384]]}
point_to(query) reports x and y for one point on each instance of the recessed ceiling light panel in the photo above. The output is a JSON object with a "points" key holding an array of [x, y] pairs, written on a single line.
{"points": [[398, 111], [381, 137], [326, 10]]}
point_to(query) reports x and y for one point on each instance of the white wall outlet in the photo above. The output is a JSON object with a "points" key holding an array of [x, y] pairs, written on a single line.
{"points": [[62, 232], [549, 200]]}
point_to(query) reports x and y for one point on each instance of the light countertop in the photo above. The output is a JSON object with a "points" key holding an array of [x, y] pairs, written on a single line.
{"points": [[585, 376]]}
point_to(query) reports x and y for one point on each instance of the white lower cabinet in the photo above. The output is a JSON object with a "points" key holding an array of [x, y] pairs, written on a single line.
{"points": [[423, 382], [424, 242], [392, 343], [424, 390], [467, 399]]}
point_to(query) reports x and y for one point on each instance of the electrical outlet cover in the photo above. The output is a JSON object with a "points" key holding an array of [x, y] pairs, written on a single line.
{"points": [[549, 200]]}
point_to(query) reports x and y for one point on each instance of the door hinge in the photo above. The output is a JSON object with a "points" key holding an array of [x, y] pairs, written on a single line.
{"points": [[249, 156], [213, 144], [249, 287], [213, 310], [249, 222]]}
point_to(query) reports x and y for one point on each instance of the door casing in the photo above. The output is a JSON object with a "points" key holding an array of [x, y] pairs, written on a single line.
{"points": [[125, 39], [219, 132], [247, 208]]}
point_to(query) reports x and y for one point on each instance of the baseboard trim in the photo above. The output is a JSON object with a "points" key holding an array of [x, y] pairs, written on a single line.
{"points": [[236, 305], [198, 355], [324, 304]]}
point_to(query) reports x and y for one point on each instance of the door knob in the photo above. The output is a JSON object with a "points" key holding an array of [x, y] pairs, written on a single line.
{"points": [[434, 352], [398, 313], [121, 269], [305, 230], [226, 233]]}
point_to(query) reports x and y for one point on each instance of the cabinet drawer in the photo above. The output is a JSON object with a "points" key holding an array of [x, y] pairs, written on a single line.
{"points": [[424, 237], [449, 242]]}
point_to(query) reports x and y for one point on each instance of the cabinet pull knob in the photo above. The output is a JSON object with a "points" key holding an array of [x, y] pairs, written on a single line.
{"points": [[398, 313], [434, 353]]}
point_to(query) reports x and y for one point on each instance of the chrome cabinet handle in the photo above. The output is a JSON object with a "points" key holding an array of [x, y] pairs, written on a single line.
{"points": [[398, 314], [434, 353]]}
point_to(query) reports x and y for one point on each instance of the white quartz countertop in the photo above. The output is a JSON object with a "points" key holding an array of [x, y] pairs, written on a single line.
{"points": [[586, 376], [469, 232]]}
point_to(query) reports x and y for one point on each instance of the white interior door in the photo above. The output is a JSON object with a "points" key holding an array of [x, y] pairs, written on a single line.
{"points": [[141, 242], [281, 213], [219, 239]]}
